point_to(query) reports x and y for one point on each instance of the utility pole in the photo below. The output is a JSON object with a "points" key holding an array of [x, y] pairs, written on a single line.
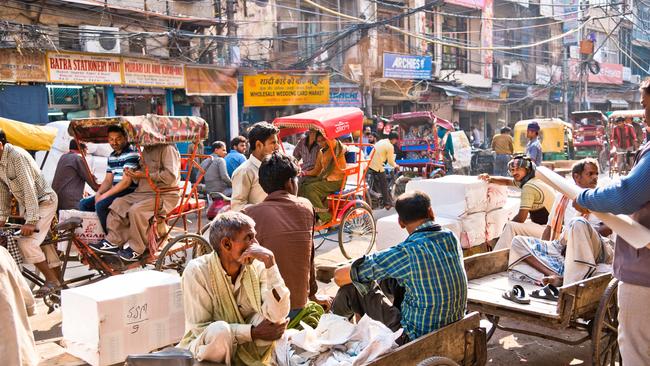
{"points": [[565, 80], [230, 16]]}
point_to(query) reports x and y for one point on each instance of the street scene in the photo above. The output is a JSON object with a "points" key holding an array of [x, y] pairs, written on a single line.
{"points": [[324, 182]]}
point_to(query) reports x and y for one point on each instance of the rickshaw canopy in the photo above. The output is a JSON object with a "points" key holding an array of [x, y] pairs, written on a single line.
{"points": [[144, 130], [552, 134], [28, 136], [331, 122], [420, 118], [579, 115], [639, 113]]}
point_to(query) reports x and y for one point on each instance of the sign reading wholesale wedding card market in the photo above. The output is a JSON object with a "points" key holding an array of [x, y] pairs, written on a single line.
{"points": [[280, 89]]}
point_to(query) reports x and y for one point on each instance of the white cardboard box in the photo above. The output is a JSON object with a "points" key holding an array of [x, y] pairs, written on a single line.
{"points": [[137, 312], [453, 195], [472, 230], [390, 234], [497, 219], [91, 230], [497, 196]]}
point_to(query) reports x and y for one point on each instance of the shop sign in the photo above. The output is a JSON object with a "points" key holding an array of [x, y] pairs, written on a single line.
{"points": [[151, 73], [609, 73], [345, 97], [22, 67], [474, 4], [210, 81], [78, 68], [476, 105], [627, 74], [398, 66], [279, 89], [542, 75]]}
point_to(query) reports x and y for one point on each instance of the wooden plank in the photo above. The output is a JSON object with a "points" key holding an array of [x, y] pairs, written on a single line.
{"points": [[587, 294], [446, 342], [54, 355], [501, 282], [481, 265], [495, 299]]}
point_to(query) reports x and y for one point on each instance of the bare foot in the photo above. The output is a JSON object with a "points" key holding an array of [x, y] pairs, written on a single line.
{"points": [[554, 280]]}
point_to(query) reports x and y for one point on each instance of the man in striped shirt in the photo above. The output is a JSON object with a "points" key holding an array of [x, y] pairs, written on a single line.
{"points": [[115, 183], [422, 284]]}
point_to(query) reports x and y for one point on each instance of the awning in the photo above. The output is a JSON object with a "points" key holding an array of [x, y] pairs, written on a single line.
{"points": [[451, 91], [210, 81], [619, 104]]}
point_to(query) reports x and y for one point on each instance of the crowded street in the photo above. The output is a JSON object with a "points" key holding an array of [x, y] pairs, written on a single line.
{"points": [[324, 183]]}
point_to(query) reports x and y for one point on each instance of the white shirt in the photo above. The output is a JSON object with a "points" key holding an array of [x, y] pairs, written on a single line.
{"points": [[246, 188]]}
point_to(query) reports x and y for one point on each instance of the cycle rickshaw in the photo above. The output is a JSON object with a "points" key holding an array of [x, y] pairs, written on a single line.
{"points": [[350, 213]]}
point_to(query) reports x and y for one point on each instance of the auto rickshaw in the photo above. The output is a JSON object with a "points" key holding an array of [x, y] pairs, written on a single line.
{"points": [[555, 135], [590, 137]]}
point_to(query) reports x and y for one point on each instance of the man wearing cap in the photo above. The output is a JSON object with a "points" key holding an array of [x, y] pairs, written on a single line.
{"points": [[534, 147]]}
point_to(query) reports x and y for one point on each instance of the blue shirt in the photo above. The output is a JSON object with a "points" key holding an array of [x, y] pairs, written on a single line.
{"points": [[234, 159], [534, 151], [127, 158], [429, 266], [623, 197]]}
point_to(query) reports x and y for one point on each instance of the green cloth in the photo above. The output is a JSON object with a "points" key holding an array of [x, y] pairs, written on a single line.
{"points": [[316, 191]]}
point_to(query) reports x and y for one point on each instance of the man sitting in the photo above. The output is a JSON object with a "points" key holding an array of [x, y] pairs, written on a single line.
{"points": [[536, 200], [234, 298], [70, 178], [326, 177], [572, 245], [246, 189], [284, 224], [115, 184], [216, 174], [424, 275], [236, 157], [130, 216]]}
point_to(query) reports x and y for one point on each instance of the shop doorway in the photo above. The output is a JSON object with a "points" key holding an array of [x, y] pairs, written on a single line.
{"points": [[215, 112]]}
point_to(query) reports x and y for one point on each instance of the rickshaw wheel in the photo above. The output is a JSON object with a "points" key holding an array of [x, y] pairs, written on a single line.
{"points": [[357, 231], [437, 361], [179, 251], [604, 333]]}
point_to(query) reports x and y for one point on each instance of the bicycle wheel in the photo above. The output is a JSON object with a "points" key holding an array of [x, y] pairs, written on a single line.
{"points": [[357, 231], [179, 251]]}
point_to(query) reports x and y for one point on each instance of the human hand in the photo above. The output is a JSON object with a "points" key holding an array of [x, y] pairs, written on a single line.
{"points": [[3, 222], [323, 300], [27, 229], [268, 331], [485, 177], [134, 174], [604, 230], [256, 251], [580, 209]]}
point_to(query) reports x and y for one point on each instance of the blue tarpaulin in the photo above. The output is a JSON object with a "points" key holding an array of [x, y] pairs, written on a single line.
{"points": [[24, 103]]}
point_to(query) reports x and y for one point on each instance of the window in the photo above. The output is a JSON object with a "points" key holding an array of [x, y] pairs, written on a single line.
{"points": [[69, 38], [624, 41], [453, 58], [288, 45], [310, 27], [138, 44]]}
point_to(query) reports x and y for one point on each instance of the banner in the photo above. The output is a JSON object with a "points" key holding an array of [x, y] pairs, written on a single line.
{"points": [[151, 73], [209, 81], [17, 67], [278, 89], [609, 73], [398, 66], [78, 68]]}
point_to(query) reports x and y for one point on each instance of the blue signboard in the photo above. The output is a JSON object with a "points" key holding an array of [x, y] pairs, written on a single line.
{"points": [[398, 66], [345, 97]]}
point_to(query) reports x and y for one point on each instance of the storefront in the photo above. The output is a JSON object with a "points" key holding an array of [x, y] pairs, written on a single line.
{"points": [[480, 113]]}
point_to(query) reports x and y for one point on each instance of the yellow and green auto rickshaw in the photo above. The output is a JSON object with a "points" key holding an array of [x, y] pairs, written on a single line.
{"points": [[555, 135]]}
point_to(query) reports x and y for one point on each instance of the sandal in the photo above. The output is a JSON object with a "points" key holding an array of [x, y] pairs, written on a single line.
{"points": [[517, 294], [47, 288], [548, 292]]}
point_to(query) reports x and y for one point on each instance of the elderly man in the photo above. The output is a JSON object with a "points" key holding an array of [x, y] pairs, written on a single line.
{"points": [[534, 146], [424, 276], [536, 200], [20, 177], [130, 216], [246, 189], [572, 245], [235, 300]]}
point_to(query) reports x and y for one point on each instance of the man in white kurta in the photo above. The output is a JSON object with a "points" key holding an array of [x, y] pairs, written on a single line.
{"points": [[16, 304], [235, 300]]}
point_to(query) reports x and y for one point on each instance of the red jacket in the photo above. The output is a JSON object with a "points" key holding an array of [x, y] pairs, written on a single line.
{"points": [[624, 137]]}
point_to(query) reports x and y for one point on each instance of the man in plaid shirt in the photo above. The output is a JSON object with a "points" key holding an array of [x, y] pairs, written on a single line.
{"points": [[422, 283], [20, 177]]}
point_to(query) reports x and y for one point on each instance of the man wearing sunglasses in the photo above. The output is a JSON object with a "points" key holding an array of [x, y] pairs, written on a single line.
{"points": [[536, 200]]}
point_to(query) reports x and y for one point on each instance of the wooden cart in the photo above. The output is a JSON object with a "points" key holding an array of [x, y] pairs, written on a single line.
{"points": [[588, 305]]}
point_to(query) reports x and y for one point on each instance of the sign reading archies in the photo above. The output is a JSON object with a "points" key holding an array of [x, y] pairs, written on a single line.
{"points": [[398, 66]]}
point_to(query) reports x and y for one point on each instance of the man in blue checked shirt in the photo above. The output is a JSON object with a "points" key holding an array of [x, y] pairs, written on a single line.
{"points": [[418, 285]]}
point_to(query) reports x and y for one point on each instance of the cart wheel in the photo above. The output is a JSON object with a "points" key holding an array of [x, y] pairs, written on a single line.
{"points": [[204, 229], [437, 361], [494, 320], [604, 334], [357, 231], [180, 250], [321, 236]]}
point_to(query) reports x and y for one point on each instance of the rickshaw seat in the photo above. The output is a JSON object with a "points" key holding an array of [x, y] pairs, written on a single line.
{"points": [[70, 224], [189, 206], [417, 147]]}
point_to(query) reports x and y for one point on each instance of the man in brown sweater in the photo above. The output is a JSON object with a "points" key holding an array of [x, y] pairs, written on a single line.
{"points": [[284, 224]]}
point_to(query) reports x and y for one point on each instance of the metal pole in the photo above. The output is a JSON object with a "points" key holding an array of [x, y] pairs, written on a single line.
{"points": [[565, 81]]}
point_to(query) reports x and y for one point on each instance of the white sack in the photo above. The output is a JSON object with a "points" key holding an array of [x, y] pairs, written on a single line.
{"points": [[453, 195]]}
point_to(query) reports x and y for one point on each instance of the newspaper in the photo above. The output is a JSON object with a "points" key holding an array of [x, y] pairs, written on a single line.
{"points": [[634, 233]]}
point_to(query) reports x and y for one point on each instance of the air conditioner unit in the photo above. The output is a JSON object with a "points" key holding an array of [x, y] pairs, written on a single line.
{"points": [[506, 72], [538, 111], [99, 39], [635, 79]]}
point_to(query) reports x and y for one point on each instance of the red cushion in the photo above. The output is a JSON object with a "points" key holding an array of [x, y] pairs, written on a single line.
{"points": [[188, 205]]}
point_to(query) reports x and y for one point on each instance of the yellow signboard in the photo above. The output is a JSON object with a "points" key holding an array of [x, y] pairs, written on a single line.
{"points": [[279, 89]]}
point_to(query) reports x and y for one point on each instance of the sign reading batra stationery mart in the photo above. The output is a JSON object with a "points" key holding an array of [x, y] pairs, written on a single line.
{"points": [[398, 66], [280, 89], [151, 73], [79, 68]]}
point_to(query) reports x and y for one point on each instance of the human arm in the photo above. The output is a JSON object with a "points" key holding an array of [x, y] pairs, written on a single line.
{"points": [[85, 174], [624, 197], [546, 235], [318, 167], [223, 172], [5, 203], [390, 157], [106, 184], [241, 186], [26, 182], [170, 165], [502, 181], [521, 216], [119, 187]]}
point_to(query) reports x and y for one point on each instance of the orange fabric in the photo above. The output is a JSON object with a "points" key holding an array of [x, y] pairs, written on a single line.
{"points": [[324, 159]]}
